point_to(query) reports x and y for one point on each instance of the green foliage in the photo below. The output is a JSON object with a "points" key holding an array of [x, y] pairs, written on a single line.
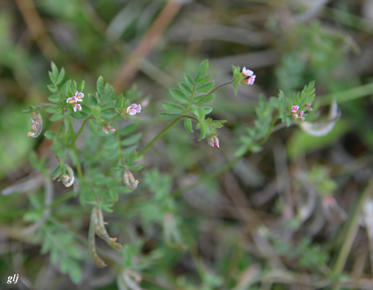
{"points": [[63, 250], [306, 96], [237, 77], [320, 177], [265, 119], [103, 167], [309, 256], [315, 54], [191, 97], [184, 222]]}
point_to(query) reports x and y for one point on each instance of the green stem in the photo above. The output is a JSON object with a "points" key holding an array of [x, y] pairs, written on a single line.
{"points": [[119, 149], [160, 134], [81, 129], [229, 165], [270, 131], [173, 123], [214, 90], [348, 95], [352, 228], [73, 146]]}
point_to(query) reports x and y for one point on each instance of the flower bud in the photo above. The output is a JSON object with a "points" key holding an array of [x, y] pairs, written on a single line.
{"points": [[36, 125], [214, 142], [108, 129], [130, 180]]}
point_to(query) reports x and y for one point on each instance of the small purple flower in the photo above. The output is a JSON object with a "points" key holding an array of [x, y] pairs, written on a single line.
{"points": [[297, 115], [214, 142], [294, 109], [301, 116], [250, 81], [134, 109]]}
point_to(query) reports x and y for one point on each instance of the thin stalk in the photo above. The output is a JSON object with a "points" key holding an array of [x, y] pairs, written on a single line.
{"points": [[80, 129], [174, 122], [348, 95], [352, 228], [215, 89], [73, 146], [229, 165], [159, 135]]}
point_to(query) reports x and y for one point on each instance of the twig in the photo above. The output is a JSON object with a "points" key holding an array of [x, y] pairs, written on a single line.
{"points": [[37, 28], [27, 184], [129, 67], [47, 201]]}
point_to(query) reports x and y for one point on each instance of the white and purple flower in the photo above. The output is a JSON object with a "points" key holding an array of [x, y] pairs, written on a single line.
{"points": [[298, 115], [78, 97], [134, 109], [248, 75], [77, 107]]}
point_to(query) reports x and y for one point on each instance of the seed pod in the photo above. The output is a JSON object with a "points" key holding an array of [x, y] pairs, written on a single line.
{"points": [[36, 125], [68, 179], [171, 232], [92, 243], [322, 128], [101, 230]]}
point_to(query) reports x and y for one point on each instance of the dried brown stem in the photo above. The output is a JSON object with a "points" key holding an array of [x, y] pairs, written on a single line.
{"points": [[129, 67], [37, 28]]}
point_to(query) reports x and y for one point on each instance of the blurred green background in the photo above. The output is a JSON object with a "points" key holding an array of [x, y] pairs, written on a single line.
{"points": [[278, 219]]}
